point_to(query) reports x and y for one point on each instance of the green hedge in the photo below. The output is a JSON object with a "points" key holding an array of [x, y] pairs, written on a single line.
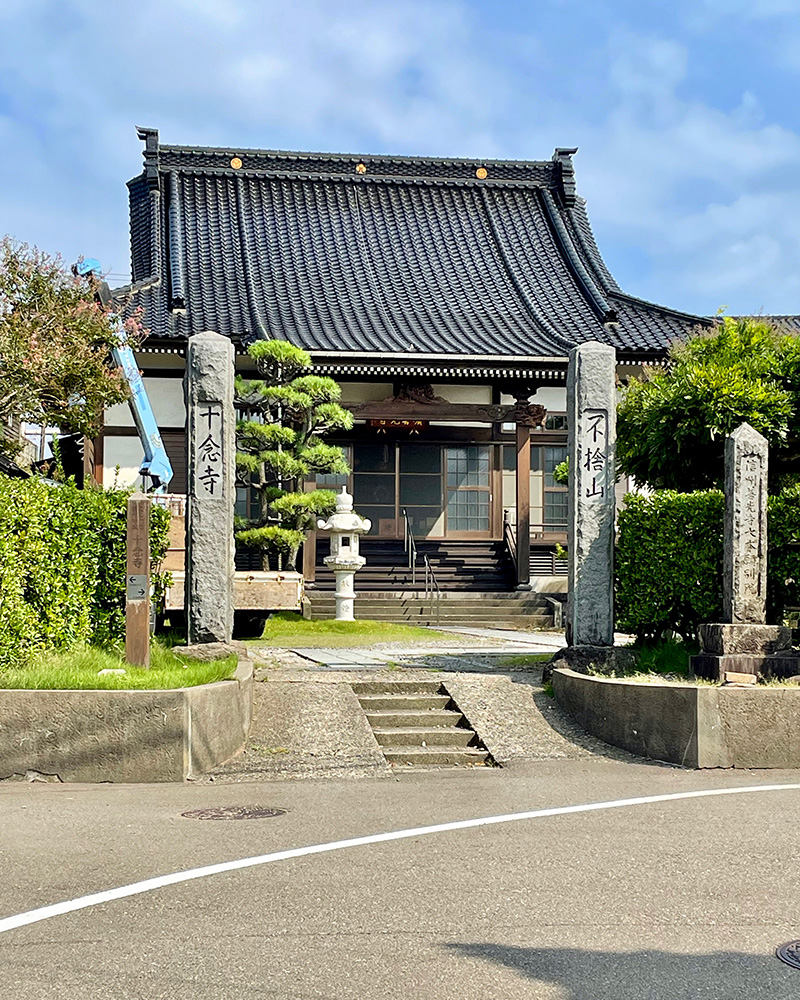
{"points": [[669, 560], [62, 565]]}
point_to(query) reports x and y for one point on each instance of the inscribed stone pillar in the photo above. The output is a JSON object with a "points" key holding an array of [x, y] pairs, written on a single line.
{"points": [[592, 429], [744, 580], [208, 388]]}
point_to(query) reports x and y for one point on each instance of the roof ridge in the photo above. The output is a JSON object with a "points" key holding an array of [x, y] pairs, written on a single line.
{"points": [[476, 161], [584, 279], [618, 294]]}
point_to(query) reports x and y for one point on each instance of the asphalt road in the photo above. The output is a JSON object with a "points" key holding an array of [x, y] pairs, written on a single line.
{"points": [[669, 900]]}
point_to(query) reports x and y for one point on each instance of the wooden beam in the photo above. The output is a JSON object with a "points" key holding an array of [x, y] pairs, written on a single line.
{"points": [[392, 409], [137, 604], [523, 507], [310, 545]]}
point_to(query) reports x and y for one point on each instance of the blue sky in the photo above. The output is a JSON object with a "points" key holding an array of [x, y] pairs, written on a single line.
{"points": [[686, 114]]}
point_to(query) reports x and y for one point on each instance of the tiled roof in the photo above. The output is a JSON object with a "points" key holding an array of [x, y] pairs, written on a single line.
{"points": [[340, 253]]}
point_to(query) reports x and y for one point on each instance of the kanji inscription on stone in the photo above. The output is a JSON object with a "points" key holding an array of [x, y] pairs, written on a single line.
{"points": [[210, 481]]}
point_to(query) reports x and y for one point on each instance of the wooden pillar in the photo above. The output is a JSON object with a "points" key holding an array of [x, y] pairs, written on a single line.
{"points": [[523, 507], [310, 545], [137, 603]]}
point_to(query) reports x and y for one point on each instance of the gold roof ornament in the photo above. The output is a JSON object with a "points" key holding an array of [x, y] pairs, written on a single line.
{"points": [[481, 173], [361, 168], [236, 163]]}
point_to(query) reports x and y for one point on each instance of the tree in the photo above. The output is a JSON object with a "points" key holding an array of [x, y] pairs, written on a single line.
{"points": [[671, 425], [55, 343], [279, 442]]}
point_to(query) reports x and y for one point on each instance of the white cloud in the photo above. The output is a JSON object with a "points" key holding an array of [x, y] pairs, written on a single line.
{"points": [[704, 195]]}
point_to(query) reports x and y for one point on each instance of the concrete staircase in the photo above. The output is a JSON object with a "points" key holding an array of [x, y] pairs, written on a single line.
{"points": [[497, 610], [417, 723]]}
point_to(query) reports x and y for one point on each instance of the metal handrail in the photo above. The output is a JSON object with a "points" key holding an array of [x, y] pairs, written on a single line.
{"points": [[510, 538], [432, 588], [410, 547]]}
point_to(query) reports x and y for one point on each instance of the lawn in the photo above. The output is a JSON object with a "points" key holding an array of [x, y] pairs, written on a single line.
{"points": [[289, 629], [79, 669]]}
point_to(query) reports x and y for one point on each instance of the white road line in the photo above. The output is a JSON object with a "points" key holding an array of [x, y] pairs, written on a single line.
{"points": [[135, 888]]}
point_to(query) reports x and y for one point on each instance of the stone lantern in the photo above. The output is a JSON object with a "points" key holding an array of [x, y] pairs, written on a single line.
{"points": [[345, 526]]}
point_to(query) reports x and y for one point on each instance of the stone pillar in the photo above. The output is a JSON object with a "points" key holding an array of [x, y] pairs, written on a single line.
{"points": [[744, 574], [211, 488], [592, 429], [742, 645]]}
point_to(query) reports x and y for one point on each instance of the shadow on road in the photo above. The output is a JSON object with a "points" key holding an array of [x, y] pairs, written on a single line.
{"points": [[645, 975]]}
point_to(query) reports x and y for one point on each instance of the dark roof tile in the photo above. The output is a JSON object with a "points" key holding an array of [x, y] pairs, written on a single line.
{"points": [[414, 255]]}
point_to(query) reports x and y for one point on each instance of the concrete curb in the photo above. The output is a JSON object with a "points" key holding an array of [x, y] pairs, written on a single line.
{"points": [[125, 736], [692, 725]]}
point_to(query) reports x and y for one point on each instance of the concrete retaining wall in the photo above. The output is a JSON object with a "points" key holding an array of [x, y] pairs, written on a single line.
{"points": [[697, 726], [133, 736]]}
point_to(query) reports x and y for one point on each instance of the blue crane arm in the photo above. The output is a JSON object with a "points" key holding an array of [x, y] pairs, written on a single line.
{"points": [[156, 463]]}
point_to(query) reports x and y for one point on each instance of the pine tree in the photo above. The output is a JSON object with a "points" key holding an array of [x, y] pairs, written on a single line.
{"points": [[285, 415]]}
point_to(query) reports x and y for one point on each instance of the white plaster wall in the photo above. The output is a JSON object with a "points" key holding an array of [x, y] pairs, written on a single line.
{"points": [[166, 398], [125, 452], [464, 393], [366, 392], [552, 398]]}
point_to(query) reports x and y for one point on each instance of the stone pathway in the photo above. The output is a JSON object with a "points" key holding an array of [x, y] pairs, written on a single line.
{"points": [[308, 722]]}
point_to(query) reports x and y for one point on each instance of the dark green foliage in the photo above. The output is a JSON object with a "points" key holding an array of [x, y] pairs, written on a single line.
{"points": [[672, 424], [279, 441], [669, 561], [62, 565]]}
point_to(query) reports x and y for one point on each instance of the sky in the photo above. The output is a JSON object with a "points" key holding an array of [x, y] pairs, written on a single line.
{"points": [[685, 114]]}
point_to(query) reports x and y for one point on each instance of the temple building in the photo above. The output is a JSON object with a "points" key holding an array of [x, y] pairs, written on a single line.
{"points": [[444, 296]]}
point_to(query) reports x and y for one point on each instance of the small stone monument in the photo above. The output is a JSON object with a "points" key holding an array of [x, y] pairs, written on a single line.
{"points": [[345, 526], [743, 643], [211, 422]]}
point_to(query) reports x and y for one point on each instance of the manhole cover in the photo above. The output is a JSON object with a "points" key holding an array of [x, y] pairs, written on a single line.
{"points": [[789, 953], [234, 812]]}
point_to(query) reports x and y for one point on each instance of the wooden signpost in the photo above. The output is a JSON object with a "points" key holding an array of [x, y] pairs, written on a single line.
{"points": [[137, 602]]}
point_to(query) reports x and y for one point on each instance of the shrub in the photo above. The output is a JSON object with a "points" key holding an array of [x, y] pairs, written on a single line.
{"points": [[669, 561], [62, 565]]}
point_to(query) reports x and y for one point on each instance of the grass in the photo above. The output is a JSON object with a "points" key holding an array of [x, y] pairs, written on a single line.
{"points": [[666, 657], [289, 629], [78, 669]]}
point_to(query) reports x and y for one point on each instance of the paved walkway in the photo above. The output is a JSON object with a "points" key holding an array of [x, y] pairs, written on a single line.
{"points": [[308, 722]]}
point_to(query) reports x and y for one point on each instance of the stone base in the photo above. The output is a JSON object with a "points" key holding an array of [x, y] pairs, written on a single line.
{"points": [[713, 667], [594, 659], [208, 651], [754, 640]]}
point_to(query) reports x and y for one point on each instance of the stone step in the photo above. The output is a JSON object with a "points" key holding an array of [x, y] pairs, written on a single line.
{"points": [[423, 603], [407, 701], [489, 621], [428, 719], [440, 756], [408, 736], [396, 687]]}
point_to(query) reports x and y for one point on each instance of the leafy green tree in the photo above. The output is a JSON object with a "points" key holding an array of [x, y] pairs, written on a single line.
{"points": [[286, 413], [55, 343], [672, 424]]}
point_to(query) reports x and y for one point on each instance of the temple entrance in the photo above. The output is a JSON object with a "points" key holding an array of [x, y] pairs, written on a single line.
{"points": [[445, 489]]}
